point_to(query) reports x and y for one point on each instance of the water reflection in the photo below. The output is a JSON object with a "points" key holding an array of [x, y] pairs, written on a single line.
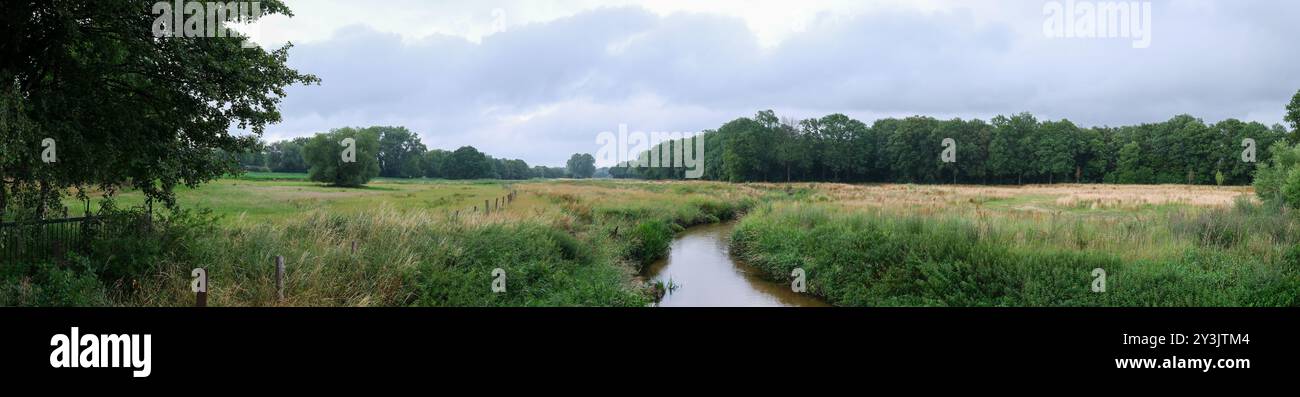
{"points": [[700, 266]]}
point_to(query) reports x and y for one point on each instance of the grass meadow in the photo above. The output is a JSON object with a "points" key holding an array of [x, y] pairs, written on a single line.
{"points": [[584, 243]]}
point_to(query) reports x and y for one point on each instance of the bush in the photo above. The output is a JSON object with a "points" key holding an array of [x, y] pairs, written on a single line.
{"points": [[1291, 189], [323, 154], [543, 267], [48, 284], [1279, 180], [131, 245], [127, 249], [650, 241]]}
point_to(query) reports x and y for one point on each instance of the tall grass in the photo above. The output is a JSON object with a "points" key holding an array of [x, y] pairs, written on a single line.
{"points": [[884, 259], [560, 244], [401, 260], [640, 219]]}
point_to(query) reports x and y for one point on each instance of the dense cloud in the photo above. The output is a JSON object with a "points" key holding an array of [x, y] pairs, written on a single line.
{"points": [[543, 91]]}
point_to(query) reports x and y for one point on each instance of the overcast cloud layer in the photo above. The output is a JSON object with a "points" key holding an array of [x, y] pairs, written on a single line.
{"points": [[538, 80]]}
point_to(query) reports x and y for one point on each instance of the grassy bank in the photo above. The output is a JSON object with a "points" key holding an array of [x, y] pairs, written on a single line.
{"points": [[561, 243], [1237, 256]]}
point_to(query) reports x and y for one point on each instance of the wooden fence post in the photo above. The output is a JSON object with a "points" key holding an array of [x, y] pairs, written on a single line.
{"points": [[279, 278], [486, 208], [354, 247]]}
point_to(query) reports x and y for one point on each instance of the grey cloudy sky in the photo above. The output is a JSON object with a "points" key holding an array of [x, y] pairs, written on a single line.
{"points": [[538, 80]]}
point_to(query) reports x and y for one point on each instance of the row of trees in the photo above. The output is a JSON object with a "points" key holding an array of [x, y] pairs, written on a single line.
{"points": [[395, 152], [1015, 149]]}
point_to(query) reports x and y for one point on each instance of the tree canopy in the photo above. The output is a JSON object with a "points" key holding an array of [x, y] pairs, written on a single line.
{"points": [[325, 153], [581, 166], [400, 152], [467, 163], [125, 108]]}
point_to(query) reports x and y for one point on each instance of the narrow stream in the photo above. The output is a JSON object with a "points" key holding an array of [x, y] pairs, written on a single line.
{"points": [[700, 266]]}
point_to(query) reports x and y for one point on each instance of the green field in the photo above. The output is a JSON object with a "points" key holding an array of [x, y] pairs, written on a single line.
{"points": [[270, 197]]}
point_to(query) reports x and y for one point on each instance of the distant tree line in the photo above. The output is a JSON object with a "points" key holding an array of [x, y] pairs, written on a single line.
{"points": [[395, 152], [1013, 149]]}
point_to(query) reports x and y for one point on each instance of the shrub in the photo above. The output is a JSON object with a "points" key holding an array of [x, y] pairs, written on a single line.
{"points": [[650, 241], [131, 245], [543, 267], [1291, 189], [323, 154], [1279, 180], [48, 284]]}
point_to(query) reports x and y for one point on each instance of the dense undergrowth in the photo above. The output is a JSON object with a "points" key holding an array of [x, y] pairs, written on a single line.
{"points": [[1239, 256]]}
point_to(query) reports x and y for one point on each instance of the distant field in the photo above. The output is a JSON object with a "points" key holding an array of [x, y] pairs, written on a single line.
{"points": [[1049, 216], [278, 196], [271, 176], [273, 195]]}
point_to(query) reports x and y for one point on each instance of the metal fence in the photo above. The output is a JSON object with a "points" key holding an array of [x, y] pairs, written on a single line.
{"points": [[47, 239]]}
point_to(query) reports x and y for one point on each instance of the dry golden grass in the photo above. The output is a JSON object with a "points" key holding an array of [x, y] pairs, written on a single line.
{"points": [[1030, 198], [1130, 220], [1129, 196]]}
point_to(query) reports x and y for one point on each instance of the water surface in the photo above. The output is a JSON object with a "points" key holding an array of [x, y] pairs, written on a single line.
{"points": [[701, 267]]}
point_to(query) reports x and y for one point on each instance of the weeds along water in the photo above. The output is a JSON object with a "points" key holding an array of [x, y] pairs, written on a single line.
{"points": [[1237, 256]]}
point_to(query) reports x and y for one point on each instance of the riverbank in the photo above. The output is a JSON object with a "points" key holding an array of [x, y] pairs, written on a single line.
{"points": [[1238, 256]]}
